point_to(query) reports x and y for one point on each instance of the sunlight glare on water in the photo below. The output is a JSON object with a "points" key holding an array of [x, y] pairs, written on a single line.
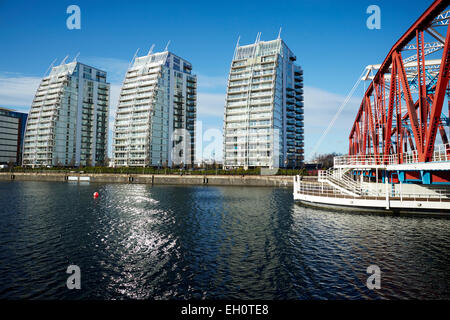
{"points": [[179, 242]]}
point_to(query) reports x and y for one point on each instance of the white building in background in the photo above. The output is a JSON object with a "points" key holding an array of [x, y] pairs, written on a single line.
{"points": [[68, 121], [156, 114], [263, 121]]}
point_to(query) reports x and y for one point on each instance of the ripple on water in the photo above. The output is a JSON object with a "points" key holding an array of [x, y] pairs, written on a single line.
{"points": [[174, 242]]}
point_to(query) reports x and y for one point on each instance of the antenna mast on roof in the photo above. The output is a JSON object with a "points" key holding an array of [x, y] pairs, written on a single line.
{"points": [[50, 66], [151, 49], [279, 34], [76, 57], [237, 46], [64, 60], [167, 46], [258, 37], [134, 57]]}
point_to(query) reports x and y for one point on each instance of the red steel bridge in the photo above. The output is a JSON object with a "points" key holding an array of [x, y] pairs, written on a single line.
{"points": [[403, 119], [399, 153]]}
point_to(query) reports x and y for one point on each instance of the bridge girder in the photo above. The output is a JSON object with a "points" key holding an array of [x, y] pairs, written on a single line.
{"points": [[403, 105]]}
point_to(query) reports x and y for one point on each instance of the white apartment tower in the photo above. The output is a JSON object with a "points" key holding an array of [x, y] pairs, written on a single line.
{"points": [[68, 121], [263, 121], [156, 114]]}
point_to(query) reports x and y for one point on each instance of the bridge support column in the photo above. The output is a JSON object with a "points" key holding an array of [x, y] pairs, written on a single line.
{"points": [[386, 183]]}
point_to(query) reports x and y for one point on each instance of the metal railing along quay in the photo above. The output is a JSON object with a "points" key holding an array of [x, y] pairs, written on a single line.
{"points": [[441, 154], [323, 190]]}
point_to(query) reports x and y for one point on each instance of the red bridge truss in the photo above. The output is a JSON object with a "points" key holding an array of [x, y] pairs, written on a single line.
{"points": [[403, 107]]}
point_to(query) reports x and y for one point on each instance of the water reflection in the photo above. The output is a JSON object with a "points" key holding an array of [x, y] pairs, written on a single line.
{"points": [[174, 242]]}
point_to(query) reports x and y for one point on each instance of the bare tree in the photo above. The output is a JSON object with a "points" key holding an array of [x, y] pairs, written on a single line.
{"points": [[58, 162], [89, 161], [106, 161], [326, 160], [11, 164]]}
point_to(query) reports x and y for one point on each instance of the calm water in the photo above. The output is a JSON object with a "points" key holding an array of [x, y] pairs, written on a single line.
{"points": [[170, 242]]}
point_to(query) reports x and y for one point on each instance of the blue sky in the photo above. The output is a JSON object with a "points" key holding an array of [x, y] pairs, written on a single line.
{"points": [[330, 39]]}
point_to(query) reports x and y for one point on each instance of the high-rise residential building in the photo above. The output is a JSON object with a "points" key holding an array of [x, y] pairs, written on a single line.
{"points": [[12, 129], [68, 121], [263, 124], [156, 114]]}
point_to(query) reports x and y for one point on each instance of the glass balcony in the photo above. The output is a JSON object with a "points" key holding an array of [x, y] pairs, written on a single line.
{"points": [[290, 114], [290, 100]]}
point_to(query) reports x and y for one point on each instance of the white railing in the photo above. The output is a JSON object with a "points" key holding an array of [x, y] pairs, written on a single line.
{"points": [[339, 178], [324, 190], [441, 154]]}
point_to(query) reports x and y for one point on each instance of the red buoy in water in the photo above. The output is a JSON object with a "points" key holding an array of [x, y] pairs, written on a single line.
{"points": [[95, 195]]}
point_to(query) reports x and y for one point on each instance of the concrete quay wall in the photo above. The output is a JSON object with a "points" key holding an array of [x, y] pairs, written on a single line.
{"points": [[217, 180]]}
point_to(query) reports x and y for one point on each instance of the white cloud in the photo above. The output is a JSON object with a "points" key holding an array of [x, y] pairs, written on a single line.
{"points": [[115, 68], [113, 101], [18, 91], [210, 104], [114, 97], [320, 108], [208, 82]]}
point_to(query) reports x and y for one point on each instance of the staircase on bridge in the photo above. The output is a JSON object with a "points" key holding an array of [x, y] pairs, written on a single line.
{"points": [[339, 179]]}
